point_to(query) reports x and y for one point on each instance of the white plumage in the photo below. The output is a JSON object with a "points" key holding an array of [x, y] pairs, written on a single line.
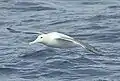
{"points": [[59, 40]]}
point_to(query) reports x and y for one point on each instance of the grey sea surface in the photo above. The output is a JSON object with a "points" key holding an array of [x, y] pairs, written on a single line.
{"points": [[96, 22]]}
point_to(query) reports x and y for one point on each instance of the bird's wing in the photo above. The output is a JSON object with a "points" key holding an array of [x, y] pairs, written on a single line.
{"points": [[68, 39], [25, 32], [89, 47], [64, 40], [62, 36]]}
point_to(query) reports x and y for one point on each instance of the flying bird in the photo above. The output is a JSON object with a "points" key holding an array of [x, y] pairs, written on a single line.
{"points": [[58, 40]]}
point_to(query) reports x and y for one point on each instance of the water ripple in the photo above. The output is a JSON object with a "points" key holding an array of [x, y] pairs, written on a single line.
{"points": [[7, 71], [94, 22]]}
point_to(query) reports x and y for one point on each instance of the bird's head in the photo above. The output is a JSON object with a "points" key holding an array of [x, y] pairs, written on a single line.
{"points": [[39, 39]]}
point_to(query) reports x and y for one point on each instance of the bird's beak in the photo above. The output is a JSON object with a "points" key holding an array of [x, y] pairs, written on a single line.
{"points": [[35, 41], [32, 42]]}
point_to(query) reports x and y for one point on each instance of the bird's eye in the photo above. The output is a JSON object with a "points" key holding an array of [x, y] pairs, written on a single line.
{"points": [[41, 37]]}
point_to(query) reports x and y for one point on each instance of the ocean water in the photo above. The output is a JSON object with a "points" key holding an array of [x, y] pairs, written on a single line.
{"points": [[96, 22]]}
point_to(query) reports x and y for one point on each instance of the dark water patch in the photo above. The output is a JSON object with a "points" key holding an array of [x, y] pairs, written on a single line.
{"points": [[74, 77], [97, 27], [7, 71], [113, 55], [62, 22], [106, 37], [55, 73], [117, 70], [113, 62], [26, 71], [79, 37], [114, 7], [99, 60], [108, 40], [97, 18], [30, 72], [6, 23], [114, 16], [94, 27], [52, 58], [114, 33], [92, 3], [5, 1], [29, 39], [39, 8], [82, 35], [30, 20], [41, 54], [26, 4], [30, 3], [90, 72], [104, 17], [117, 30], [20, 64], [59, 63], [30, 76], [103, 79], [82, 60], [34, 73], [25, 9], [2, 48]]}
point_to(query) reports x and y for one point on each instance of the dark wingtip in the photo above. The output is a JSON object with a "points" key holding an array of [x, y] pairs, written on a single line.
{"points": [[9, 29], [17, 31], [12, 30]]}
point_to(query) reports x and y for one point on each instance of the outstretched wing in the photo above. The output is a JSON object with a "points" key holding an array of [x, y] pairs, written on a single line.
{"points": [[89, 47], [64, 40], [66, 43], [25, 32], [69, 40], [61, 36]]}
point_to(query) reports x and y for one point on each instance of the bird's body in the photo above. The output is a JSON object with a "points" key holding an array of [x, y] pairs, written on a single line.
{"points": [[59, 40]]}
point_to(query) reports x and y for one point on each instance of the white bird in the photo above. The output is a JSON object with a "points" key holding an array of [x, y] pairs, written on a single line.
{"points": [[59, 40]]}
